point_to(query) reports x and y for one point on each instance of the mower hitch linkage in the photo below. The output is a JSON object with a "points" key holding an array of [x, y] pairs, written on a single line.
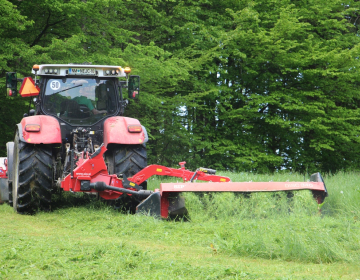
{"points": [[101, 186], [91, 175]]}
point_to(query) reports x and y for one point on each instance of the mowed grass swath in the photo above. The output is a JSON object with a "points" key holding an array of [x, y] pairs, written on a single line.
{"points": [[262, 235]]}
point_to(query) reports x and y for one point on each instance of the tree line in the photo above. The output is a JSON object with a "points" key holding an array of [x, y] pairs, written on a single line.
{"points": [[235, 85]]}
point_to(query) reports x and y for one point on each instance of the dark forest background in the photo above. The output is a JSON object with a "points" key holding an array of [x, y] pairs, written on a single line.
{"points": [[234, 85]]}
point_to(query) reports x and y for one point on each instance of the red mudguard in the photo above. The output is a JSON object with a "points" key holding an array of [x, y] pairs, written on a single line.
{"points": [[116, 131], [49, 130]]}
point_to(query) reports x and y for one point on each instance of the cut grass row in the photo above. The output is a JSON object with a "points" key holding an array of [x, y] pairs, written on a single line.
{"points": [[264, 236], [82, 243]]}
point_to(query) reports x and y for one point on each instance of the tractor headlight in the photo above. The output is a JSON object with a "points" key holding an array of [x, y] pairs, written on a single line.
{"points": [[51, 71], [32, 127]]}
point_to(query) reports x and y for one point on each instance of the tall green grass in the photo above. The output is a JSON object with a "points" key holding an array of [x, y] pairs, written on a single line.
{"points": [[82, 238], [282, 226]]}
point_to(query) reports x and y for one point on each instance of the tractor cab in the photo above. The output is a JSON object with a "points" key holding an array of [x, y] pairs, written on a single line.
{"points": [[80, 94], [80, 101], [77, 94]]}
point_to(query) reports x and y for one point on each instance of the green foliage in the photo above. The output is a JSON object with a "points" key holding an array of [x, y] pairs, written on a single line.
{"points": [[233, 85], [290, 76]]}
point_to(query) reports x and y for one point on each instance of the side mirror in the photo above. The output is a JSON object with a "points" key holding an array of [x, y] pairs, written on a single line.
{"points": [[11, 83], [134, 87]]}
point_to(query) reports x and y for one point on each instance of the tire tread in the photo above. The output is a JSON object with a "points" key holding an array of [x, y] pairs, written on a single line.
{"points": [[35, 178]]}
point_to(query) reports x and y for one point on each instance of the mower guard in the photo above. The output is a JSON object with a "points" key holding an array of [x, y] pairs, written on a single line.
{"points": [[168, 202]]}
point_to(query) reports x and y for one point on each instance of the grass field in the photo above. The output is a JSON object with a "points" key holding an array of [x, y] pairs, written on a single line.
{"points": [[264, 236]]}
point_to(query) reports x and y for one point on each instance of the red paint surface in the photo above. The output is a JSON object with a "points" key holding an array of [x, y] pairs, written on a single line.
{"points": [[93, 170], [241, 187], [116, 131], [3, 167], [49, 130], [3, 173], [186, 175]]}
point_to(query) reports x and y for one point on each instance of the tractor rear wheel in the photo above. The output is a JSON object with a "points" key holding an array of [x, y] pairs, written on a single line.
{"points": [[32, 177], [127, 160]]}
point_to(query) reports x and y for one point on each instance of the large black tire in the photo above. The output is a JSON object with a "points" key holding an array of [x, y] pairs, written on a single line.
{"points": [[10, 160], [126, 160], [32, 177]]}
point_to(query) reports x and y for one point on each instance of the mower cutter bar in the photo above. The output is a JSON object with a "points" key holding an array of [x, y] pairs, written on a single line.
{"points": [[172, 204]]}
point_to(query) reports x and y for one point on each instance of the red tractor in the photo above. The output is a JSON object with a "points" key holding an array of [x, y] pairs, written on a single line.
{"points": [[78, 108], [77, 140]]}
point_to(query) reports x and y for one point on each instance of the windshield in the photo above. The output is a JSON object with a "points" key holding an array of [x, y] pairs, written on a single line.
{"points": [[80, 100]]}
